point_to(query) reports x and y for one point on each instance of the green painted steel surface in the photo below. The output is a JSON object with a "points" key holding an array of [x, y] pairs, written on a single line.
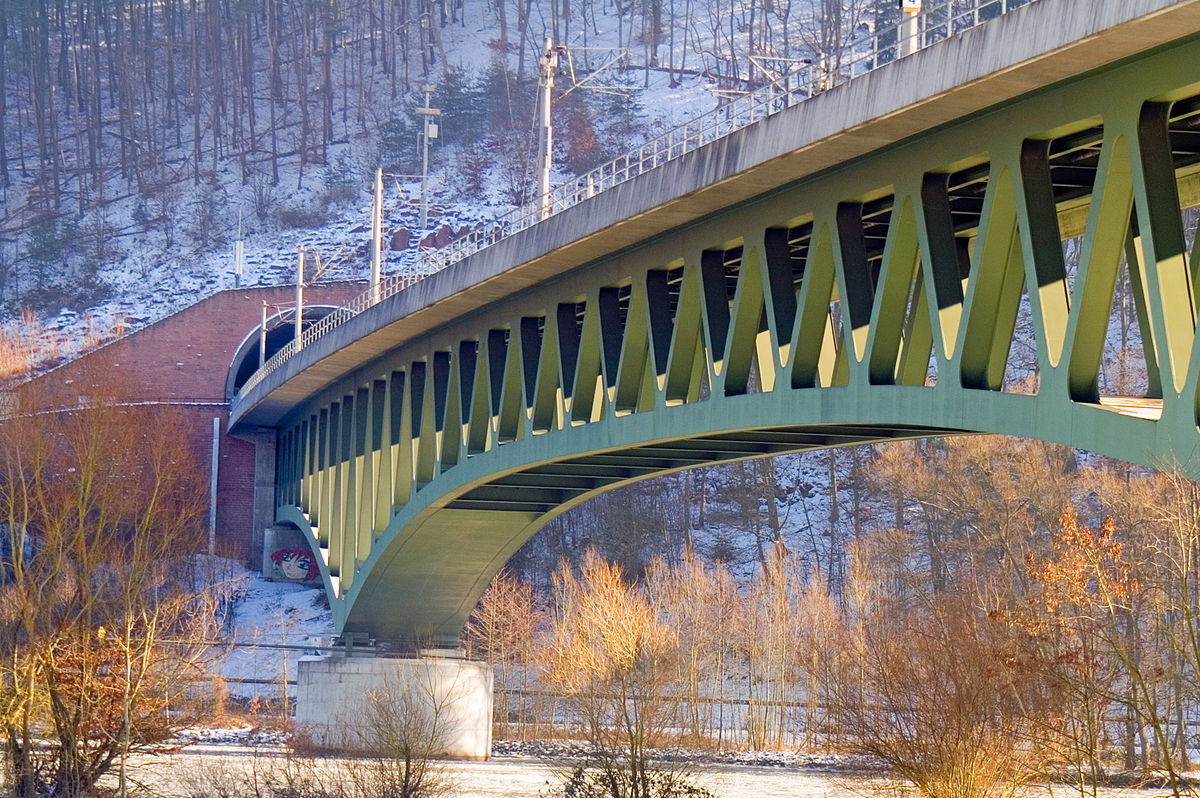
{"points": [[875, 301]]}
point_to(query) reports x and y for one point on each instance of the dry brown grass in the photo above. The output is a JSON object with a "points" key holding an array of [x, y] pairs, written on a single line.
{"points": [[26, 345]]}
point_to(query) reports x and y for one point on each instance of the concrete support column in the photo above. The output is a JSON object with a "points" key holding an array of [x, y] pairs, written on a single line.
{"points": [[264, 439], [341, 702]]}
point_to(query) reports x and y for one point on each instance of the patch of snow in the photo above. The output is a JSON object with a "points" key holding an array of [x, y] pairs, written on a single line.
{"points": [[270, 625], [574, 750]]}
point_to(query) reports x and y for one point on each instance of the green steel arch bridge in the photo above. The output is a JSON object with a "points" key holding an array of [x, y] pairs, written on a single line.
{"points": [[847, 268]]}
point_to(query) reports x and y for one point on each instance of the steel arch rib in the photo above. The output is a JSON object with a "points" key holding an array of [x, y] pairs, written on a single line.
{"points": [[390, 601]]}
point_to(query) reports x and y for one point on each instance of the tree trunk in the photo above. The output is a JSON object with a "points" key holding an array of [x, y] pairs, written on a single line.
{"points": [[4, 178], [834, 554], [327, 82], [195, 90]]}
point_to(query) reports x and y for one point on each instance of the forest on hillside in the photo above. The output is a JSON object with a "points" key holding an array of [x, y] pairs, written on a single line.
{"points": [[170, 108]]}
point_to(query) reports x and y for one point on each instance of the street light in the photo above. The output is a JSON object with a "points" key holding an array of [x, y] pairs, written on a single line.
{"points": [[548, 66], [376, 236]]}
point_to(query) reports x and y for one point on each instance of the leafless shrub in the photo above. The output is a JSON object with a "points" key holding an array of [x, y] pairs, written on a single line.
{"points": [[267, 775], [167, 204], [262, 192], [410, 723], [23, 346], [303, 217], [937, 691]]}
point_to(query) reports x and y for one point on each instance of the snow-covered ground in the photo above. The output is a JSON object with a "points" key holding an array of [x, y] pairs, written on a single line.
{"points": [[154, 272], [233, 772], [186, 774], [270, 625]]}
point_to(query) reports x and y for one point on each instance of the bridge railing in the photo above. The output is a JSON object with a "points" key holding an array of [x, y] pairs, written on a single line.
{"points": [[937, 21]]}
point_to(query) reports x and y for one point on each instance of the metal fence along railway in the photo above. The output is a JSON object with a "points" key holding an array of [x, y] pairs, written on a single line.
{"points": [[936, 22]]}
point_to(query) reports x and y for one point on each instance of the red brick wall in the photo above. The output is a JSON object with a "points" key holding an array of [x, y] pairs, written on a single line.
{"points": [[184, 360], [184, 357], [235, 493]]}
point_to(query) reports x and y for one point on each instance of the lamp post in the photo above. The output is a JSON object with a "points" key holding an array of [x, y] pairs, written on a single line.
{"points": [[376, 236], [262, 337], [299, 297]]}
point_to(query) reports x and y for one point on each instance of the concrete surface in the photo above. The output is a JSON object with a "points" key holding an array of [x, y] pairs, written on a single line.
{"points": [[343, 703]]}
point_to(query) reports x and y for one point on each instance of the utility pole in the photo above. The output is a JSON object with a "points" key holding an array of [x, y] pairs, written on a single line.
{"points": [[262, 337], [548, 64], [376, 236], [429, 131], [299, 297], [909, 32]]}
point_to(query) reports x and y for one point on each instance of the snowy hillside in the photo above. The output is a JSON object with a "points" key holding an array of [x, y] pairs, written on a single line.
{"points": [[120, 241]]}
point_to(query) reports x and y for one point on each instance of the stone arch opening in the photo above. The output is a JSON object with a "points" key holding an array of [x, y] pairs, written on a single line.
{"points": [[280, 330]]}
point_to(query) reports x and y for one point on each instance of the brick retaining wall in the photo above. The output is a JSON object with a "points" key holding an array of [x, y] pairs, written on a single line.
{"points": [[183, 360]]}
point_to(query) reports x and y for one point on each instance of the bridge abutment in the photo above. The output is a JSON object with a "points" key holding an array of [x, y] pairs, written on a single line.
{"points": [[264, 440], [368, 704]]}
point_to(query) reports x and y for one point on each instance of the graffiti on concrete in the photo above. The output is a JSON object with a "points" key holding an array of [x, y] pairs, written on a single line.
{"points": [[295, 564]]}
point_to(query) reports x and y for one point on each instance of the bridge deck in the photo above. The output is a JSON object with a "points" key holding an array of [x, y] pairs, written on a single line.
{"points": [[1031, 48]]}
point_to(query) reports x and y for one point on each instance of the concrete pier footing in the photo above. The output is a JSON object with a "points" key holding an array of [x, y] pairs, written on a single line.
{"points": [[355, 704]]}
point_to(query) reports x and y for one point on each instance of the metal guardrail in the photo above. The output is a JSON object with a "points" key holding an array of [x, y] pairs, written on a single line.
{"points": [[936, 22]]}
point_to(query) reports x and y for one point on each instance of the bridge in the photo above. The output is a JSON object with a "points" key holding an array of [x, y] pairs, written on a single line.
{"points": [[847, 268]]}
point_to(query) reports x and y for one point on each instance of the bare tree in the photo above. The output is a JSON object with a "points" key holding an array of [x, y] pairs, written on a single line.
{"points": [[610, 653], [701, 604], [101, 617], [501, 630]]}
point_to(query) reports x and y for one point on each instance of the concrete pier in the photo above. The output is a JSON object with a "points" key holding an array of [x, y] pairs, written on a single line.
{"points": [[355, 704]]}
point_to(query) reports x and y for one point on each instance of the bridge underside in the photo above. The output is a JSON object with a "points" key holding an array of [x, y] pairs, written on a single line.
{"points": [[876, 301], [441, 548], [447, 551]]}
